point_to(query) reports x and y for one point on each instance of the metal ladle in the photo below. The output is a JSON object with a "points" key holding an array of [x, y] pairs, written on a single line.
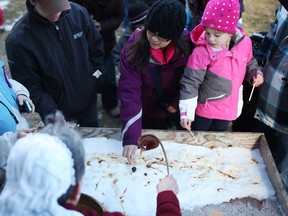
{"points": [[150, 141]]}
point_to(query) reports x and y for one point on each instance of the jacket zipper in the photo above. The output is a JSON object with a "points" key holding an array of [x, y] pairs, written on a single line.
{"points": [[214, 98], [67, 54], [217, 97], [58, 31]]}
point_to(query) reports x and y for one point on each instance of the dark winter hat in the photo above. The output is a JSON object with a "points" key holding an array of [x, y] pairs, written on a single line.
{"points": [[137, 12], [166, 18]]}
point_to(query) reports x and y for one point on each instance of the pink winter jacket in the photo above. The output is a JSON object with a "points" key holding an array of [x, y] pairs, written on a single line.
{"points": [[211, 85]]}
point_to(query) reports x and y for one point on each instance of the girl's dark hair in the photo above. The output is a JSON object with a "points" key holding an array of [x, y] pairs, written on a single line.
{"points": [[139, 54]]}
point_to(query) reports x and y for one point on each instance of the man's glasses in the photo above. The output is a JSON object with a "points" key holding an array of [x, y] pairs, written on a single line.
{"points": [[151, 34]]}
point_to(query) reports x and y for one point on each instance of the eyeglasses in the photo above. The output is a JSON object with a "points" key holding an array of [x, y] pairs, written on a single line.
{"points": [[151, 34]]}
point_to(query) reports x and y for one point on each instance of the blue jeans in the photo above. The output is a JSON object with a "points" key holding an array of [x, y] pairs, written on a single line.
{"points": [[126, 19], [109, 95], [205, 124], [278, 144]]}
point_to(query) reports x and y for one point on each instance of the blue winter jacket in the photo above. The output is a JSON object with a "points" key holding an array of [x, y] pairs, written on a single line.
{"points": [[8, 120]]}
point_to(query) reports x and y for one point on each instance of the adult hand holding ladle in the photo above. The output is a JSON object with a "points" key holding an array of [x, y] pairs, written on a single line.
{"points": [[150, 141]]}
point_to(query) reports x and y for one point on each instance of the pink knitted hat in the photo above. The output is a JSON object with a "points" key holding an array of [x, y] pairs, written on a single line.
{"points": [[221, 15]]}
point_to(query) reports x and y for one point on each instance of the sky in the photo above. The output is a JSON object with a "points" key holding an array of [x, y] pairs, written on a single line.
{"points": [[205, 176]]}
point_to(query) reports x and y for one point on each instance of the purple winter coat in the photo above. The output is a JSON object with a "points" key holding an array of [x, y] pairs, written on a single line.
{"points": [[137, 94]]}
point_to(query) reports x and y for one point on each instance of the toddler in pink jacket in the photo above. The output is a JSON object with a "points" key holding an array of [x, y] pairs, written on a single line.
{"points": [[211, 86]]}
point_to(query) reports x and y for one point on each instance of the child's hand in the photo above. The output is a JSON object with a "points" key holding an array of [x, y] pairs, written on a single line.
{"points": [[186, 123], [258, 80]]}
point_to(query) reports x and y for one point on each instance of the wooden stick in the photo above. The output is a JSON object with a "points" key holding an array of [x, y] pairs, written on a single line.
{"points": [[38, 125], [252, 92], [192, 134]]}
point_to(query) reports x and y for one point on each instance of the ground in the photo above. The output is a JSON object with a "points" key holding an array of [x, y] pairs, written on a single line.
{"points": [[257, 17]]}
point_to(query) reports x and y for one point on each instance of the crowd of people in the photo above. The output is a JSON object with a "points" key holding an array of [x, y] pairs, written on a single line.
{"points": [[182, 66]]}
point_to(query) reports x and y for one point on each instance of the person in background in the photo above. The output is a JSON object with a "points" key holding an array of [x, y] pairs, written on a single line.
{"points": [[242, 9], [272, 109], [2, 19], [152, 62], [127, 4], [211, 86], [56, 51], [12, 95], [137, 13], [13, 124], [107, 16], [196, 8]]}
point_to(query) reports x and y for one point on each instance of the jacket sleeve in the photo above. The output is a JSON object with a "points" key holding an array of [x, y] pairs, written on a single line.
{"points": [[167, 204], [18, 88], [251, 70], [23, 67], [190, 83], [96, 46], [129, 91]]}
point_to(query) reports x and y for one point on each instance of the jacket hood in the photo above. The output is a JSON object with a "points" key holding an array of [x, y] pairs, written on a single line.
{"points": [[198, 37]]}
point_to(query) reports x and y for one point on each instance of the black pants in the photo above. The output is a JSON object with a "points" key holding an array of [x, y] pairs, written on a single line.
{"points": [[88, 118], [205, 124], [171, 121]]}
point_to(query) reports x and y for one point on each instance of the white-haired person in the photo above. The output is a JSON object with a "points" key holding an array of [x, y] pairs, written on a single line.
{"points": [[40, 169]]}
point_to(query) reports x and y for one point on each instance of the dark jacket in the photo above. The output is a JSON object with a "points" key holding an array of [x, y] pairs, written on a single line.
{"points": [[110, 14], [55, 61], [137, 93]]}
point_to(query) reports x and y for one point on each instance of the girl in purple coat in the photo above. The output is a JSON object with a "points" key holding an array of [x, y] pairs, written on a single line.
{"points": [[151, 66]]}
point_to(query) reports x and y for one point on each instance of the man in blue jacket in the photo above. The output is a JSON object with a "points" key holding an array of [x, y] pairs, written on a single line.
{"points": [[56, 51]]}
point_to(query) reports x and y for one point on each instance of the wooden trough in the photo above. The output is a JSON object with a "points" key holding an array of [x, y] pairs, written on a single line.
{"points": [[212, 140]]}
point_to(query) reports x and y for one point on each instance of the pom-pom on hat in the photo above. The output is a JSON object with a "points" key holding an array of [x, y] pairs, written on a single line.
{"points": [[137, 12], [222, 15], [166, 18]]}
